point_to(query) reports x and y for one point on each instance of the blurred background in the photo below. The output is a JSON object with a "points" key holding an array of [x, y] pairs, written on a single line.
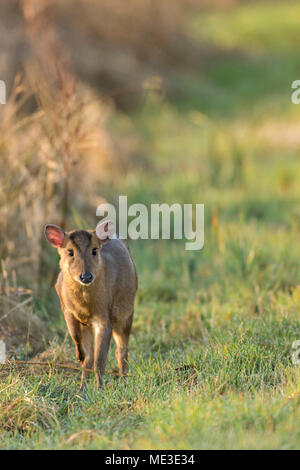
{"points": [[183, 101]]}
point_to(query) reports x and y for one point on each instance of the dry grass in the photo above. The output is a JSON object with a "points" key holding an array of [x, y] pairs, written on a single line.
{"points": [[114, 45], [24, 413], [49, 128]]}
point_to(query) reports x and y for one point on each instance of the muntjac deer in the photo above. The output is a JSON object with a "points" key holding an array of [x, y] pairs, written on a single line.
{"points": [[96, 287]]}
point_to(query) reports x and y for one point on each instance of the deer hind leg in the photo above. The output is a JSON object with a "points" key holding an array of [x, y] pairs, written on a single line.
{"points": [[88, 349], [121, 333]]}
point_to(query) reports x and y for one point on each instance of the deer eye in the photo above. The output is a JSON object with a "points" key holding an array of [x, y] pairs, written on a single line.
{"points": [[94, 251], [71, 252]]}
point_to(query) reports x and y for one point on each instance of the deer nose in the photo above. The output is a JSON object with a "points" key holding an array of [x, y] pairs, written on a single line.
{"points": [[86, 278]]}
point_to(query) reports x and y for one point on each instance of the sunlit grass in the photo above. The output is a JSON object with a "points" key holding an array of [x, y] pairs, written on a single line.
{"points": [[256, 27]]}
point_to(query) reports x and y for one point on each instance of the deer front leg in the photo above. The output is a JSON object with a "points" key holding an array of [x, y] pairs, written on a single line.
{"points": [[87, 340], [102, 336], [75, 333]]}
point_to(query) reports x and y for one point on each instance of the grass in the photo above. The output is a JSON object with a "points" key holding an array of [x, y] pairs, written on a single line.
{"points": [[210, 355]]}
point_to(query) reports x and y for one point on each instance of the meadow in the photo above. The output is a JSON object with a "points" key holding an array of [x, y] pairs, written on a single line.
{"points": [[211, 346]]}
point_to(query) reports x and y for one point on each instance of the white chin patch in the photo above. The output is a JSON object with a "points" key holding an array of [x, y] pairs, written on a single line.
{"points": [[84, 283]]}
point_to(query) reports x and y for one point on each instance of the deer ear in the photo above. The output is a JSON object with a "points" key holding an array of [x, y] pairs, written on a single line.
{"points": [[105, 231], [55, 235]]}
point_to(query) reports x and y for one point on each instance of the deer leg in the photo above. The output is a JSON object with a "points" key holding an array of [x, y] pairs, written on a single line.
{"points": [[88, 348], [102, 336], [121, 332], [75, 333]]}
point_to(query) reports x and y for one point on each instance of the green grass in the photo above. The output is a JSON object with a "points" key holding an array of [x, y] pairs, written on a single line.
{"points": [[211, 344]]}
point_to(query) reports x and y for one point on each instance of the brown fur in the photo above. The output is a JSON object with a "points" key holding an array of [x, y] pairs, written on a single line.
{"points": [[95, 312]]}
